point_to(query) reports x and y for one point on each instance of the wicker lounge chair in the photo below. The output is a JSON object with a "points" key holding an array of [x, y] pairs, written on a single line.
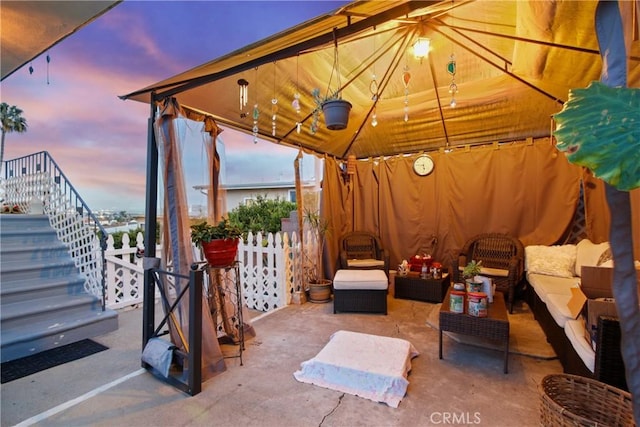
{"points": [[502, 259], [363, 250]]}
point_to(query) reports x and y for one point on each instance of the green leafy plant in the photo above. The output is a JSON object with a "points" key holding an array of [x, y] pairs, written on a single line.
{"points": [[319, 100], [472, 269], [204, 232], [263, 215]]}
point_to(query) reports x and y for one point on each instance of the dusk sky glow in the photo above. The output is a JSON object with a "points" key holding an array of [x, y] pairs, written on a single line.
{"points": [[98, 140]]}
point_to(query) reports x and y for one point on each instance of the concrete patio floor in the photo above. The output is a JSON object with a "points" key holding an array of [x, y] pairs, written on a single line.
{"points": [[467, 387]]}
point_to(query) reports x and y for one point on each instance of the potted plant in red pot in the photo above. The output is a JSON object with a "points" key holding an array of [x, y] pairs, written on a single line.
{"points": [[219, 242]]}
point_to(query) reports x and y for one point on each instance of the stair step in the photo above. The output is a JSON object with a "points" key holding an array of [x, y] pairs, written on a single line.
{"points": [[43, 301], [56, 268], [30, 289], [23, 221], [16, 314], [29, 237], [32, 252], [43, 335]]}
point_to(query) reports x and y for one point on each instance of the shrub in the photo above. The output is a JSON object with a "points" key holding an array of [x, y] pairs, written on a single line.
{"points": [[263, 215]]}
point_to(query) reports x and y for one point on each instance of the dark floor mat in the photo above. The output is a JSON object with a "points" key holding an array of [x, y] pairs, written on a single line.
{"points": [[19, 368]]}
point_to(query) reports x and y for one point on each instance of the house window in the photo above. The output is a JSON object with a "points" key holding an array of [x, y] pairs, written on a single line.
{"points": [[292, 196]]}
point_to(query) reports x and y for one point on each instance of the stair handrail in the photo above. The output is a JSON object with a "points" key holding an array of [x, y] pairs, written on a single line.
{"points": [[38, 175]]}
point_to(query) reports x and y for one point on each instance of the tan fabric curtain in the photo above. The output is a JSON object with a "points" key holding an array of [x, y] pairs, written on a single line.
{"points": [[525, 188], [171, 129]]}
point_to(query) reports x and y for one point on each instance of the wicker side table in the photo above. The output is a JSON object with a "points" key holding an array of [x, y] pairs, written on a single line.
{"points": [[413, 287], [494, 327]]}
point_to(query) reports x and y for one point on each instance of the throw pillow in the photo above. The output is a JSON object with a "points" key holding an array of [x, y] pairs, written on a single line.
{"points": [[606, 256], [587, 253], [556, 260]]}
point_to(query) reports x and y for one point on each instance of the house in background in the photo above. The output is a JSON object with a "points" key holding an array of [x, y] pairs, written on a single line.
{"points": [[244, 194]]}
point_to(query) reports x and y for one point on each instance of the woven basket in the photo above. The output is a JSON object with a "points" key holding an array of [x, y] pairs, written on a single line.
{"points": [[571, 400]]}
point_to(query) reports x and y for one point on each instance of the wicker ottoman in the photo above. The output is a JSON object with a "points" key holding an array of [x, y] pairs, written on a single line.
{"points": [[360, 291]]}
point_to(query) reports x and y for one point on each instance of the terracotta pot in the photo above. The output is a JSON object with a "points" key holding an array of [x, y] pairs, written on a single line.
{"points": [[220, 252], [320, 292]]}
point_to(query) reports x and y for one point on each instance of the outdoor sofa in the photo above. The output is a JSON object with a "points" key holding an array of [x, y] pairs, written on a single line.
{"points": [[551, 272]]}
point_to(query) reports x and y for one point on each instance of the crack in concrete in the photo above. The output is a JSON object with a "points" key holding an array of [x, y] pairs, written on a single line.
{"points": [[333, 410]]}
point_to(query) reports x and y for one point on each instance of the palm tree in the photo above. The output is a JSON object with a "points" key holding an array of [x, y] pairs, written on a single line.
{"points": [[12, 121]]}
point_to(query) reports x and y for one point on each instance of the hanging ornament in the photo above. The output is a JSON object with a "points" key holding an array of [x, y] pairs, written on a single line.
{"points": [[243, 96], [274, 103], [406, 78], [274, 115], [30, 68], [296, 101], [373, 88], [256, 115], [453, 88]]}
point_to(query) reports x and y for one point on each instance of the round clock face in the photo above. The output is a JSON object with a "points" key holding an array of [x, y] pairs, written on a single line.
{"points": [[423, 165]]}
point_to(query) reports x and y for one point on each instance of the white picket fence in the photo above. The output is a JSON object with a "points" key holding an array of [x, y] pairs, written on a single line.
{"points": [[271, 268]]}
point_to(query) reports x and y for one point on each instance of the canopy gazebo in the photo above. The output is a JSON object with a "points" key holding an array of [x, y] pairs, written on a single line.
{"points": [[496, 167]]}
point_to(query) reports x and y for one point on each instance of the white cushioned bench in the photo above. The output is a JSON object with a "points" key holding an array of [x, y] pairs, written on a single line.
{"points": [[362, 291]]}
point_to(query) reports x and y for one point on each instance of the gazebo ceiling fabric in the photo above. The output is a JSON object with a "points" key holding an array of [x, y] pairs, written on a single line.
{"points": [[29, 28], [516, 62]]}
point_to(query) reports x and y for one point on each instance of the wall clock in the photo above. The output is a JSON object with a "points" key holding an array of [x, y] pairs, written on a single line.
{"points": [[423, 165]]}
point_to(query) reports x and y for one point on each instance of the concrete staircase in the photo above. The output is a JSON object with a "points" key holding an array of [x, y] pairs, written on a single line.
{"points": [[43, 303]]}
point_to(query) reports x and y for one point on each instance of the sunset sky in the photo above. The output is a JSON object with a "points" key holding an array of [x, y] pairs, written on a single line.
{"points": [[98, 140]]}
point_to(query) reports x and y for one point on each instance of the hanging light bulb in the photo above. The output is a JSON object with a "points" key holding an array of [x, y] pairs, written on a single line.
{"points": [[374, 119], [421, 48], [453, 103]]}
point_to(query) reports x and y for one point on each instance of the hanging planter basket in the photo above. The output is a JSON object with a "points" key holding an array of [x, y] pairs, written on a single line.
{"points": [[220, 252], [336, 113]]}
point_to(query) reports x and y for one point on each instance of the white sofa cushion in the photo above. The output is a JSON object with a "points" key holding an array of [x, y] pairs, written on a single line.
{"points": [[360, 279], [559, 260], [588, 253], [544, 285], [365, 263], [575, 332], [558, 308]]}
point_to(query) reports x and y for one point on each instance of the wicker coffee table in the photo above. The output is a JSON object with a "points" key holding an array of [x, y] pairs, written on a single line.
{"points": [[494, 327], [413, 287]]}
